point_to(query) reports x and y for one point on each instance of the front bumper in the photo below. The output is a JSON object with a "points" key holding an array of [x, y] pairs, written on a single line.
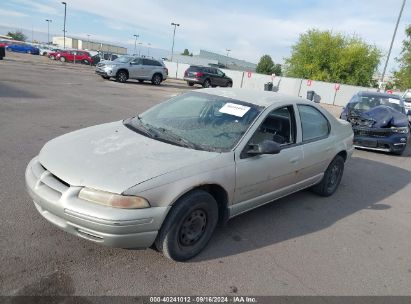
{"points": [[106, 73], [384, 141], [59, 203]]}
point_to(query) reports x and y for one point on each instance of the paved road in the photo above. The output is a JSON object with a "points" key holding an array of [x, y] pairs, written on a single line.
{"points": [[356, 242]]}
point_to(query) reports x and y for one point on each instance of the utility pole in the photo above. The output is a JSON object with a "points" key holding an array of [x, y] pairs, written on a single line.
{"points": [[48, 30], [228, 51], [135, 43], [148, 49], [64, 27], [392, 42], [174, 35], [88, 42], [139, 48]]}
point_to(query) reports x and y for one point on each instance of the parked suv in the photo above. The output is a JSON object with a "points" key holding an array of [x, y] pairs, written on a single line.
{"points": [[207, 77], [74, 56], [133, 67]]}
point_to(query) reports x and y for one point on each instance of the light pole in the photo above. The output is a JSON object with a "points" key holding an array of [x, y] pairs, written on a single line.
{"points": [[139, 48], [148, 49], [392, 42], [88, 42], [64, 27], [48, 30], [135, 43], [228, 51], [174, 34]]}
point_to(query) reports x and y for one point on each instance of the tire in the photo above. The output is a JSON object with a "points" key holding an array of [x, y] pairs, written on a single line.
{"points": [[398, 152], [85, 61], [229, 84], [63, 59], [206, 83], [44, 54], [28, 52], [190, 84], [105, 77], [51, 57], [332, 177], [122, 76], [157, 79], [188, 227], [9, 49]]}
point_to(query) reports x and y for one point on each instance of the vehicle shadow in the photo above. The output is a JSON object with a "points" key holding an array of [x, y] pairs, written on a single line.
{"points": [[164, 84], [304, 212]]}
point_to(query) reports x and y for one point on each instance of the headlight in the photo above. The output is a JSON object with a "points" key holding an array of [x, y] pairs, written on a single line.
{"points": [[112, 199], [108, 67], [403, 130]]}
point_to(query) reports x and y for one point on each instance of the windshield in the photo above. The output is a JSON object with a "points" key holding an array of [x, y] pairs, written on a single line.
{"points": [[198, 120], [123, 59], [366, 103]]}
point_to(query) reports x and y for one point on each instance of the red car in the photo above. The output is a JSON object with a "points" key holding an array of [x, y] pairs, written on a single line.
{"points": [[52, 55], [74, 56]]}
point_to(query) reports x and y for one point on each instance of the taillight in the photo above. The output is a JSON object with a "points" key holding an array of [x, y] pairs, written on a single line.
{"points": [[166, 71], [198, 74]]}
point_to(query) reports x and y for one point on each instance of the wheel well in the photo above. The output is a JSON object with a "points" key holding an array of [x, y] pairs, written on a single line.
{"points": [[221, 197], [343, 154], [157, 73], [122, 70]]}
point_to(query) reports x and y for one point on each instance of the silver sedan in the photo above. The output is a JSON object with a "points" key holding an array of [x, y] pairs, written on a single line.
{"points": [[168, 176]]}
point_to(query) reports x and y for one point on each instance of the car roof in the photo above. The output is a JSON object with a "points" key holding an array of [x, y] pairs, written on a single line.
{"points": [[378, 94], [259, 98]]}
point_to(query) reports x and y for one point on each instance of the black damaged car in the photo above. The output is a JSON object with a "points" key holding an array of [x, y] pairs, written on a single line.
{"points": [[378, 120]]}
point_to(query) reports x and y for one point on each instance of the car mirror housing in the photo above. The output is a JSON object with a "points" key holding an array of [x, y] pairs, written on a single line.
{"points": [[266, 147]]}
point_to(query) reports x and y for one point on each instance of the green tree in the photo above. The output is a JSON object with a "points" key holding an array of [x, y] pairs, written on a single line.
{"points": [[186, 53], [325, 56], [17, 35], [403, 75], [267, 66]]}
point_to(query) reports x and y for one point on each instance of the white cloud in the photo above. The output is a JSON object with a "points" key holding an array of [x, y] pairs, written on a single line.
{"points": [[9, 13]]}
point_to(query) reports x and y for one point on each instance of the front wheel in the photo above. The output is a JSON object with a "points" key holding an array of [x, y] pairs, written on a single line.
{"points": [[229, 84], [63, 59], [51, 57], [122, 76], [190, 84], [331, 179], [188, 227], [105, 77]]}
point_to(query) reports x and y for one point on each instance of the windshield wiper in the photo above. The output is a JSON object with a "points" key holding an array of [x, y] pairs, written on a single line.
{"points": [[140, 127], [172, 137]]}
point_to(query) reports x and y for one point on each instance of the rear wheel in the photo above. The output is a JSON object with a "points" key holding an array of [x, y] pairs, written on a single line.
{"points": [[157, 78], [207, 83], [122, 76], [51, 57], [331, 179], [188, 227], [190, 83], [229, 84]]}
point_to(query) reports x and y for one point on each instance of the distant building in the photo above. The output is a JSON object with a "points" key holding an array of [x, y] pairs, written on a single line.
{"points": [[192, 60], [229, 62], [79, 44]]}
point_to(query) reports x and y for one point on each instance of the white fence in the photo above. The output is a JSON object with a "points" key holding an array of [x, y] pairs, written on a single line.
{"points": [[330, 93]]}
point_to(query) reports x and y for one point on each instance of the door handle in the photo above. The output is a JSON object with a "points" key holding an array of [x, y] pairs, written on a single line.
{"points": [[294, 160]]}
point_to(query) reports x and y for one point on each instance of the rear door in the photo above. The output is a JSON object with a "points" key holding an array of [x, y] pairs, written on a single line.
{"points": [[317, 144]]}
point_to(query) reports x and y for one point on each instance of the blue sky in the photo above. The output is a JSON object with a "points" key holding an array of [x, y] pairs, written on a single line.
{"points": [[249, 28]]}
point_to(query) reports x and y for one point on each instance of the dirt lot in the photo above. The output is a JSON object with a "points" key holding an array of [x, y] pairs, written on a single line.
{"points": [[356, 242]]}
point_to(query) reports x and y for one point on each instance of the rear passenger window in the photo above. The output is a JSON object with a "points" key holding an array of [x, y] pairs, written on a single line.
{"points": [[151, 62], [313, 123]]}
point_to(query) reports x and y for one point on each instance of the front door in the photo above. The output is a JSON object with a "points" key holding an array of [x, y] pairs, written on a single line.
{"points": [[135, 69], [263, 178]]}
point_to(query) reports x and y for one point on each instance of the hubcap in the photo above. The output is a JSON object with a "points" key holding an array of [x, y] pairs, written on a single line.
{"points": [[334, 175], [193, 227], [157, 79], [122, 77]]}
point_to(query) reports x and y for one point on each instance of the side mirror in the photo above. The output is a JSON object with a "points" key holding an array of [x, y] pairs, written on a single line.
{"points": [[266, 147], [409, 112]]}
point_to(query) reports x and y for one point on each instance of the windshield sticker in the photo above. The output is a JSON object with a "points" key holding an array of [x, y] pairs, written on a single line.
{"points": [[234, 109], [392, 100]]}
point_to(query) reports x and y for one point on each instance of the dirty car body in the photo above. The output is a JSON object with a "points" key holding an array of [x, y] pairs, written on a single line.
{"points": [[169, 175], [379, 121]]}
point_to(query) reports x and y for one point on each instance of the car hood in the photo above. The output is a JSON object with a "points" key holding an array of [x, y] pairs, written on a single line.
{"points": [[113, 158], [378, 117]]}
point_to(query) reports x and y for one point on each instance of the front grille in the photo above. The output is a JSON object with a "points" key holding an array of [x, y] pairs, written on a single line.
{"points": [[50, 184], [372, 133]]}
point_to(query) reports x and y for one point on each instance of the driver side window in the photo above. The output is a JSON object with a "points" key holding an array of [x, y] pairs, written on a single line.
{"points": [[278, 126], [136, 61]]}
